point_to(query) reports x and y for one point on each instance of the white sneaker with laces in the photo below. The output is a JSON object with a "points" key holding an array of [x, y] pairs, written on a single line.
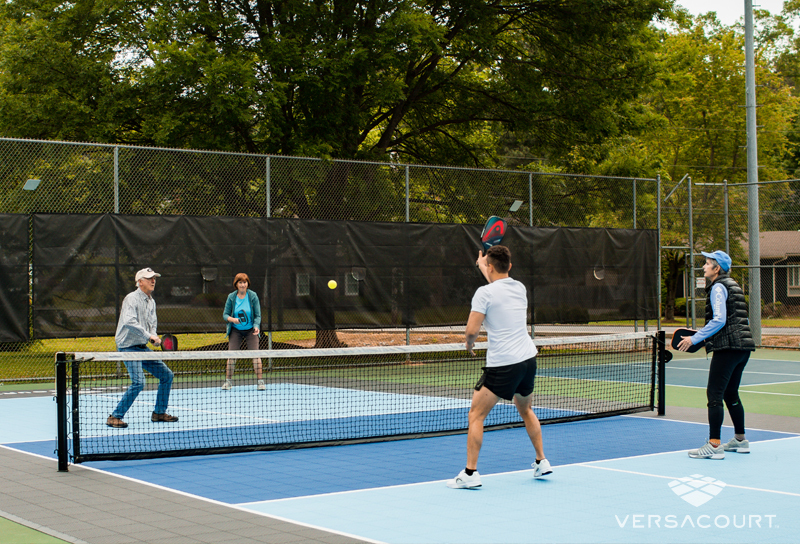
{"points": [[462, 481], [541, 468], [738, 446], [708, 452], [261, 385], [226, 386]]}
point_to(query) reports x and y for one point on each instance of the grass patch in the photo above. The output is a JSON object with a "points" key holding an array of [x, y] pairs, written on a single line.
{"points": [[788, 388], [36, 362], [754, 403], [14, 533]]}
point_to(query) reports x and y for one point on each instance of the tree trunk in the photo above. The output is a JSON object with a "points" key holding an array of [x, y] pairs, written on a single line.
{"points": [[328, 339]]}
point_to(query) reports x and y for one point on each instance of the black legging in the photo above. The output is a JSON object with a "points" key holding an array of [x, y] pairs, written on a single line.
{"points": [[724, 376]]}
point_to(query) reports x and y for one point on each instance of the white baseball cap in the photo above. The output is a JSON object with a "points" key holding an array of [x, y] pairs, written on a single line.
{"points": [[146, 273]]}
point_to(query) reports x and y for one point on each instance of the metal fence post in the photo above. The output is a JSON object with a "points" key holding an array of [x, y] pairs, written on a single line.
{"points": [[116, 179], [727, 223], [530, 222], [267, 182], [691, 254], [408, 217], [658, 245], [636, 321]]}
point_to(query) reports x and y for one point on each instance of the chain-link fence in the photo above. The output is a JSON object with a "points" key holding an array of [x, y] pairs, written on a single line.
{"points": [[39, 177], [716, 216], [95, 178]]}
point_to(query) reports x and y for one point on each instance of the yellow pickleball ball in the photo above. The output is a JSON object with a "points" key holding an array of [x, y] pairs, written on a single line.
{"points": [[332, 284]]}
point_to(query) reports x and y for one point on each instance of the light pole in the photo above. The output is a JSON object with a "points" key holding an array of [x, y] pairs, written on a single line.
{"points": [[753, 228]]}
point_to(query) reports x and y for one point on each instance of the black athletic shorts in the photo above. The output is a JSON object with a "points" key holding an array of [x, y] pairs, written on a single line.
{"points": [[505, 381]]}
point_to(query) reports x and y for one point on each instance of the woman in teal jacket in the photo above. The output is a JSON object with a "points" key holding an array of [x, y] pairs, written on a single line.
{"points": [[243, 315]]}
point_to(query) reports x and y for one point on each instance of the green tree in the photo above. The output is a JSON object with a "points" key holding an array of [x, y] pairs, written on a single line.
{"points": [[430, 82], [700, 131]]}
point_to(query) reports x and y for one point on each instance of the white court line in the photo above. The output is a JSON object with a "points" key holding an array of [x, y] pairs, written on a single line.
{"points": [[770, 383], [743, 390], [677, 478], [768, 393], [745, 372]]}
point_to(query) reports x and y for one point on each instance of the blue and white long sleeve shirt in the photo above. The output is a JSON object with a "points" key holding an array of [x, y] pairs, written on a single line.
{"points": [[719, 298]]}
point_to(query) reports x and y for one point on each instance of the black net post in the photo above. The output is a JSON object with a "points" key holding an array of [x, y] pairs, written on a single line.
{"points": [[76, 386], [61, 411], [662, 373]]}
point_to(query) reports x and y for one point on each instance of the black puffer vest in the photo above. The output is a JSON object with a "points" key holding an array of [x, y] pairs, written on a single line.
{"points": [[735, 334]]}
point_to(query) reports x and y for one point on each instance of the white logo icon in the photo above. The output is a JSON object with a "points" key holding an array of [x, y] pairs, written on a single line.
{"points": [[697, 489]]}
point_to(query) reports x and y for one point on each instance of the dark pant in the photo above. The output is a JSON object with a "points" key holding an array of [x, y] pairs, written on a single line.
{"points": [[724, 376], [236, 337]]}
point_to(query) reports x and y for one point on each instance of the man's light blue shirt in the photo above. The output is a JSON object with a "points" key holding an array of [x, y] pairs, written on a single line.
{"points": [[137, 320]]}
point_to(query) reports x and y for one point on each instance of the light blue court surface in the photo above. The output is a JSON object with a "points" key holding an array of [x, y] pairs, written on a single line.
{"points": [[655, 498], [693, 371]]}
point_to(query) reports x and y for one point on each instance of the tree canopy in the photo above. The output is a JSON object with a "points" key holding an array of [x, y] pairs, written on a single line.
{"points": [[431, 81]]}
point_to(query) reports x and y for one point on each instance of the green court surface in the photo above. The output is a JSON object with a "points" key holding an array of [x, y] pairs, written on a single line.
{"points": [[15, 533], [757, 399], [780, 398]]}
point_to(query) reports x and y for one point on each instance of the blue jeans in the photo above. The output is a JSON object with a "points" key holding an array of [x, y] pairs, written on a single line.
{"points": [[136, 371]]}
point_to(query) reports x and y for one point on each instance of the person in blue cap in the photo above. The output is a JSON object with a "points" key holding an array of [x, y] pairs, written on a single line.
{"points": [[727, 336]]}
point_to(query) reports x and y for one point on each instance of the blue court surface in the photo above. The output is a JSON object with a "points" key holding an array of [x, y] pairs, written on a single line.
{"points": [[618, 479]]}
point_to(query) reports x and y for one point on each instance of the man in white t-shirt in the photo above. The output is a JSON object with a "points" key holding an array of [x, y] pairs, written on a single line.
{"points": [[502, 308]]}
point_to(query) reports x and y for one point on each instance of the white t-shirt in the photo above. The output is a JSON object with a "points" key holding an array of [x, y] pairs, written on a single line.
{"points": [[504, 302]]}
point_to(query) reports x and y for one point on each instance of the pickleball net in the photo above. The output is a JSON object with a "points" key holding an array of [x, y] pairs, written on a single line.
{"points": [[332, 396]]}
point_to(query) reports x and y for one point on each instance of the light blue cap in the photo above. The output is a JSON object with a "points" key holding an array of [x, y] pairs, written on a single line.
{"points": [[721, 257]]}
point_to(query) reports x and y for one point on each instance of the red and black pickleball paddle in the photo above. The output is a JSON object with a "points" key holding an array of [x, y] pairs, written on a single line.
{"points": [[493, 232], [169, 342]]}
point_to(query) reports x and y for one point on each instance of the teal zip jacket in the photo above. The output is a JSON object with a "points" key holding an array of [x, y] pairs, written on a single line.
{"points": [[230, 304]]}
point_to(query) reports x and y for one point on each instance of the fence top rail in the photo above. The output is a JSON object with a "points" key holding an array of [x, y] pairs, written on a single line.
{"points": [[746, 183], [317, 159]]}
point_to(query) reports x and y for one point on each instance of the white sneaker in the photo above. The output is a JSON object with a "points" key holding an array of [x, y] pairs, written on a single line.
{"points": [[708, 452], [738, 446], [261, 385], [541, 468], [462, 481], [226, 386]]}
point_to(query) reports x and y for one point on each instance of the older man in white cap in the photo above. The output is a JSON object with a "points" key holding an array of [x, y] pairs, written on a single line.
{"points": [[137, 326]]}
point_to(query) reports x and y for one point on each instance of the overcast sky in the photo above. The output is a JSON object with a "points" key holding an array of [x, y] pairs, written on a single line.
{"points": [[729, 11]]}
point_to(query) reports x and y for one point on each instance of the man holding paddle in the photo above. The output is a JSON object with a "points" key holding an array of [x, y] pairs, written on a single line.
{"points": [[137, 326], [510, 370], [727, 336]]}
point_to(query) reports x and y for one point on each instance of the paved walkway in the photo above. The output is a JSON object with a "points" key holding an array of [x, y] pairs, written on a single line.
{"points": [[96, 507]]}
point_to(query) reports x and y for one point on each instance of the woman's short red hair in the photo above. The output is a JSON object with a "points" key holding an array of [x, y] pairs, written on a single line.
{"points": [[241, 276]]}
